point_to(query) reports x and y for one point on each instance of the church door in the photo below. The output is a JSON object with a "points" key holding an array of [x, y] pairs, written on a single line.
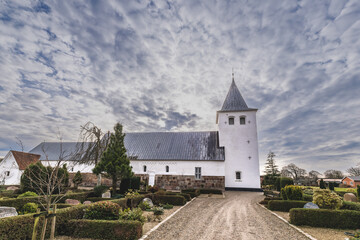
{"points": [[151, 178]]}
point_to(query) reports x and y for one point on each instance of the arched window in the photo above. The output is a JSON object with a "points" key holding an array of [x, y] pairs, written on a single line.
{"points": [[242, 120], [167, 168], [144, 168], [231, 121]]}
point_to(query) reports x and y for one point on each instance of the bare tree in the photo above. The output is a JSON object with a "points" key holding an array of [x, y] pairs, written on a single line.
{"points": [[354, 171], [20, 143], [293, 171], [91, 145], [333, 174], [314, 174]]}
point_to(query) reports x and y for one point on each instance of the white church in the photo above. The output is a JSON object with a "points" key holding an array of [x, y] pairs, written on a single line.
{"points": [[224, 159]]}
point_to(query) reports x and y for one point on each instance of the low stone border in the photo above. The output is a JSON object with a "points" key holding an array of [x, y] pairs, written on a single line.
{"points": [[291, 225], [162, 222]]}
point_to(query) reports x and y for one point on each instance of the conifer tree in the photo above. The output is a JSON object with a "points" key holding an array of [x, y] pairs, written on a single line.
{"points": [[114, 161], [77, 179], [271, 168]]}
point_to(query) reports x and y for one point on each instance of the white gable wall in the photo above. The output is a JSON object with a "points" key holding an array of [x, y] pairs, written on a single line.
{"points": [[9, 164], [237, 149]]}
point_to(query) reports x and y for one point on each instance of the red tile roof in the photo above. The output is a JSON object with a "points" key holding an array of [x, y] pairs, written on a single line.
{"points": [[24, 159]]}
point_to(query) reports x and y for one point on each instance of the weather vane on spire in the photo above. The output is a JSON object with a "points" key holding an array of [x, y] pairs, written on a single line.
{"points": [[233, 74]]}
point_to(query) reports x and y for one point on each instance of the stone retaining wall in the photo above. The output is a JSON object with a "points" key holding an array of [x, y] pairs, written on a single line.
{"points": [[178, 182]]}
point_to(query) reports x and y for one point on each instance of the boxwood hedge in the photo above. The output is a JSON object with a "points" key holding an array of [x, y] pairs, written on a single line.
{"points": [[170, 199], [351, 206], [285, 205], [103, 229], [326, 218]]}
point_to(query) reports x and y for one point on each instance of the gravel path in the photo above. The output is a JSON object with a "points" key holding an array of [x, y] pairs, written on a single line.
{"points": [[235, 217]]}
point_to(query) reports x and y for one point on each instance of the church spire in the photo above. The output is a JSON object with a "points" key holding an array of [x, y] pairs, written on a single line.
{"points": [[234, 101]]}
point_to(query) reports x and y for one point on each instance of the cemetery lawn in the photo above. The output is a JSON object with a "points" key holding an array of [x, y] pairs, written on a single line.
{"points": [[319, 233]]}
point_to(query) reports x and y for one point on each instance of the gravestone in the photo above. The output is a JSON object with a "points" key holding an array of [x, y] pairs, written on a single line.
{"points": [[72, 201], [7, 212], [13, 188], [106, 195], [87, 202], [148, 200], [311, 205], [350, 197]]}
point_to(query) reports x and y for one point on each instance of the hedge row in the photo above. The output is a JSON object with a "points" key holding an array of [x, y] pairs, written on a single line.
{"points": [[104, 229], [168, 199], [210, 191], [285, 205], [326, 218], [307, 197], [19, 202], [21, 227], [351, 206]]}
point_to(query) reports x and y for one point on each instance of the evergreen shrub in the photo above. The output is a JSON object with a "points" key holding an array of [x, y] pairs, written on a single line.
{"points": [[358, 192], [293, 192], [132, 214], [284, 181], [324, 198], [29, 208], [129, 183], [277, 184], [351, 206], [325, 218], [210, 191], [331, 186], [322, 184], [77, 180], [99, 190], [285, 205], [308, 198], [104, 210], [170, 199], [27, 194], [283, 194]]}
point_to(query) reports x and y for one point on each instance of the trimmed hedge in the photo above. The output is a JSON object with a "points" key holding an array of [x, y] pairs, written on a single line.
{"points": [[175, 200], [210, 191], [121, 201], [285, 205], [21, 227], [307, 197], [19, 202], [103, 229], [186, 196], [98, 199], [192, 192], [325, 218], [351, 206]]}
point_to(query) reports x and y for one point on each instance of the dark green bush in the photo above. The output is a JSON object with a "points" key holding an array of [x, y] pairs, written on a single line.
{"points": [[277, 184], [167, 206], [104, 229], [104, 210], [322, 184], [284, 181], [331, 186], [186, 196], [21, 227], [351, 206], [192, 192], [77, 179], [210, 191], [99, 190], [129, 183], [29, 208], [144, 206], [293, 192], [134, 214], [283, 194], [170, 199], [122, 202], [358, 192], [325, 218], [307, 197], [285, 205], [98, 199]]}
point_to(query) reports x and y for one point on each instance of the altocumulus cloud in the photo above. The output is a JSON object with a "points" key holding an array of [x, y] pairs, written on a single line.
{"points": [[166, 65]]}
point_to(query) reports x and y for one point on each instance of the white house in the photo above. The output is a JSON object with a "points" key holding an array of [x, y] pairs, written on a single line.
{"points": [[13, 165], [223, 159]]}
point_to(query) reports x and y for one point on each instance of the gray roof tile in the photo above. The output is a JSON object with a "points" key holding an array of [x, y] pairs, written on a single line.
{"points": [[234, 101], [153, 146]]}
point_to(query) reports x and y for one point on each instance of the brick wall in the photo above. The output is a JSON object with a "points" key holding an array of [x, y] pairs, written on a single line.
{"points": [[178, 182]]}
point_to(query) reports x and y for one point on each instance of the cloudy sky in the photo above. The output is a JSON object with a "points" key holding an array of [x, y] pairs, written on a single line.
{"points": [[166, 66]]}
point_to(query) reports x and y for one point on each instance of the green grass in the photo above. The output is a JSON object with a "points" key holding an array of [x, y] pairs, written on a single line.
{"points": [[337, 189]]}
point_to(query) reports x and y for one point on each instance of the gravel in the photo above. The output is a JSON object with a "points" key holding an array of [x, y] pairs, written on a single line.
{"points": [[237, 216]]}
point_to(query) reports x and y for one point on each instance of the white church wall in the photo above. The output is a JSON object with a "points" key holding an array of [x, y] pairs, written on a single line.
{"points": [[240, 142], [72, 166], [9, 165], [208, 168]]}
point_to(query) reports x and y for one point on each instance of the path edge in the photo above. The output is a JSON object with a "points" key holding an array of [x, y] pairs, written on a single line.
{"points": [[165, 220], [291, 225]]}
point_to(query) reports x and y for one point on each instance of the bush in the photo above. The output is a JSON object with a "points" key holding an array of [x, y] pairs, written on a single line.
{"points": [[308, 198], [210, 191], [358, 192], [351, 206], [122, 202], [134, 214], [27, 194], [284, 181], [99, 190], [192, 192], [167, 206], [144, 206], [186, 196], [153, 189], [77, 180], [102, 229], [293, 192], [342, 219], [158, 211], [324, 198], [129, 183], [29, 208], [277, 184], [104, 210], [285, 205], [308, 191], [170, 199], [331, 186], [322, 184], [283, 194]]}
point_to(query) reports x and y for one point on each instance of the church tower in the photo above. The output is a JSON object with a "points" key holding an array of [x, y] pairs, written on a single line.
{"points": [[238, 135]]}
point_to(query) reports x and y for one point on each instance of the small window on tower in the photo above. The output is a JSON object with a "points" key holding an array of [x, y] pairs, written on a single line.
{"points": [[231, 121], [238, 176], [144, 168], [7, 173], [167, 168], [242, 120]]}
